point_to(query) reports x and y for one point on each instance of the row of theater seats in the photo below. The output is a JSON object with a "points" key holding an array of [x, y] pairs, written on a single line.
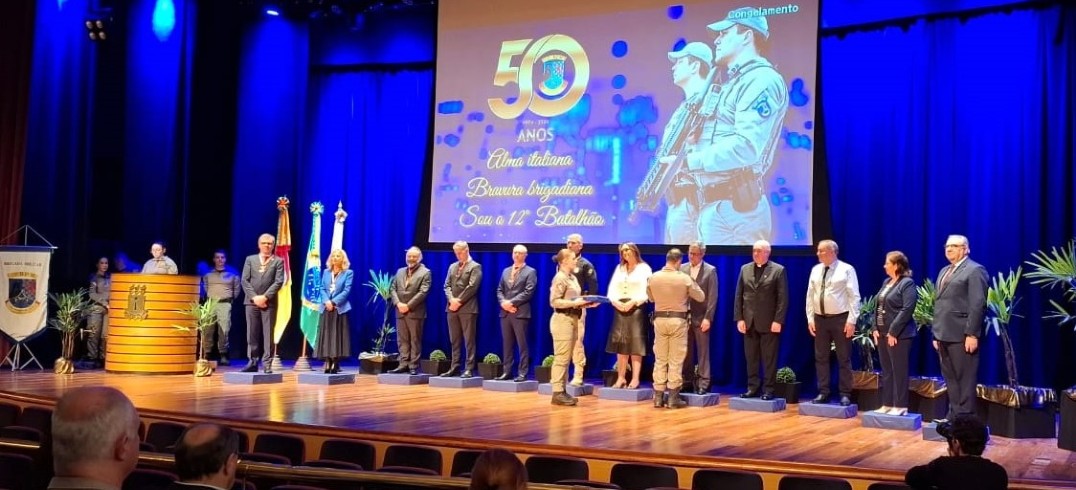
{"points": [[34, 424]]}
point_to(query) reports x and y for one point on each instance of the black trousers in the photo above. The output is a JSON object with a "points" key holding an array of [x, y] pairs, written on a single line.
{"points": [[461, 327], [761, 347], [409, 339], [697, 362], [960, 371], [513, 334], [894, 371], [260, 332], [831, 330]]}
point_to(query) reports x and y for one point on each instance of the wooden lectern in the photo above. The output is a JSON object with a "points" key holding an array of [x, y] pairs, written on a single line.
{"points": [[143, 312]]}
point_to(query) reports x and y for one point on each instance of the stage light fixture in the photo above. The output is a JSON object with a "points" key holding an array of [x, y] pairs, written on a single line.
{"points": [[97, 29], [272, 11]]}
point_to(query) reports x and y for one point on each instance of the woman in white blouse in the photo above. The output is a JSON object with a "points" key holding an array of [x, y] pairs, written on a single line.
{"points": [[627, 294]]}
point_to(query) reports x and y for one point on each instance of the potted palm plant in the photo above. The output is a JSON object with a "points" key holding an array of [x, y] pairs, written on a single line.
{"points": [[866, 380], [544, 373], [928, 396], [70, 308], [490, 367], [376, 360], [202, 316], [1013, 410], [436, 364], [1050, 270], [787, 385]]}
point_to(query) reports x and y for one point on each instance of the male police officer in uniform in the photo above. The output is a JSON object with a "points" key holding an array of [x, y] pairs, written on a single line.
{"points": [[670, 289], [736, 145]]}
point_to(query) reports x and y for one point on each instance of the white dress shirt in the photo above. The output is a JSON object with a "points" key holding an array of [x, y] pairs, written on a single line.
{"points": [[840, 294]]}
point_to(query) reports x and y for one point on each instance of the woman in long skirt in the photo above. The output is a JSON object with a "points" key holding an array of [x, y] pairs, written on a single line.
{"points": [[334, 335], [628, 335]]}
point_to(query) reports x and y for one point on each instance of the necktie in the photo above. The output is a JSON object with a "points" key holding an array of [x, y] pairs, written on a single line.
{"points": [[512, 276], [822, 292], [945, 278]]}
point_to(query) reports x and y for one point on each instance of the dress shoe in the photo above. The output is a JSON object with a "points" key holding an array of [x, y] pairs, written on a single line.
{"points": [[883, 410], [563, 399], [750, 394], [899, 412], [821, 398], [674, 400], [466, 374], [519, 379], [702, 391], [503, 377], [412, 371], [845, 401], [399, 369], [660, 399], [267, 370], [224, 361], [940, 421], [450, 373], [767, 396], [250, 368]]}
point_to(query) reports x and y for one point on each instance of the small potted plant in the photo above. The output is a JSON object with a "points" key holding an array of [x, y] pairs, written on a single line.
{"points": [[436, 364], [490, 367], [787, 386], [376, 360], [929, 395], [544, 373], [70, 308], [866, 387], [202, 316]]}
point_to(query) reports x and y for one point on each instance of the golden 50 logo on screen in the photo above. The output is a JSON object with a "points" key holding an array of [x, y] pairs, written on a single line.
{"points": [[556, 94]]}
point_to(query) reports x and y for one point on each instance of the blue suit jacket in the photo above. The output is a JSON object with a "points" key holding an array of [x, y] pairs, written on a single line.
{"points": [[339, 296], [519, 293], [960, 305], [899, 305]]}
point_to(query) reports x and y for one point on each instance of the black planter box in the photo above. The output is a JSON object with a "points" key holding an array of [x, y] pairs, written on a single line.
{"points": [[433, 368], [867, 400], [789, 391], [1066, 437], [1021, 423], [929, 408], [372, 366], [543, 374], [490, 370]]}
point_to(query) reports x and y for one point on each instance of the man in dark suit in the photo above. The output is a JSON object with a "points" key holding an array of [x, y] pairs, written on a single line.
{"points": [[263, 275], [702, 314], [959, 308], [761, 304], [207, 456], [461, 290], [409, 290], [514, 293]]}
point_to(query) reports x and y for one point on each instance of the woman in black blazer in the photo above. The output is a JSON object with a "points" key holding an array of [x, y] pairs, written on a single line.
{"points": [[894, 332]]}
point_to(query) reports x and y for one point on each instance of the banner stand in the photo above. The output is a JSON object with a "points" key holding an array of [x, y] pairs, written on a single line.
{"points": [[20, 356]]}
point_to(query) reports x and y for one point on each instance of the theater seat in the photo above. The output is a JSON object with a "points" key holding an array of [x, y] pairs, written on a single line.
{"points": [[463, 461], [336, 465], [408, 470], [22, 433], [15, 470], [888, 486], [708, 479], [641, 476], [589, 483], [164, 435], [290, 447], [413, 457], [551, 469], [812, 483], [358, 452], [37, 418], [9, 414], [149, 479]]}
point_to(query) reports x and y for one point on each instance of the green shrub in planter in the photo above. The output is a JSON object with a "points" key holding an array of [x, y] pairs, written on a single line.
{"points": [[548, 361], [438, 355], [786, 375], [491, 358]]}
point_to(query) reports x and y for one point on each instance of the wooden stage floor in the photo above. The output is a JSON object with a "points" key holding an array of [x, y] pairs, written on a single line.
{"points": [[529, 418]]}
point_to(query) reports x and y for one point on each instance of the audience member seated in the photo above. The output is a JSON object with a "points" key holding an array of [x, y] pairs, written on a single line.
{"points": [[964, 467], [207, 456], [94, 439], [498, 469]]}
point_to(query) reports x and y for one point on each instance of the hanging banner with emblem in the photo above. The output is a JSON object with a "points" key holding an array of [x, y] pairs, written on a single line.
{"points": [[24, 290]]}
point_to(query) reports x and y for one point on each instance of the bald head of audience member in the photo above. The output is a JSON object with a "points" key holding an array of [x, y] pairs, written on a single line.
{"points": [[94, 436], [208, 454], [498, 469]]}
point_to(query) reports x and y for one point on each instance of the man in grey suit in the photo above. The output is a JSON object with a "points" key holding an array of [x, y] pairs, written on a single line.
{"points": [[761, 304], [697, 362], [461, 290], [959, 308], [409, 291], [514, 293], [263, 275]]}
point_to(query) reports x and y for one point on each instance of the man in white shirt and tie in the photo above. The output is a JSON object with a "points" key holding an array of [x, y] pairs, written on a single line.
{"points": [[832, 308]]}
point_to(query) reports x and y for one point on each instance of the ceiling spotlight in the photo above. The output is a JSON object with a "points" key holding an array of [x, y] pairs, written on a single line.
{"points": [[96, 29]]}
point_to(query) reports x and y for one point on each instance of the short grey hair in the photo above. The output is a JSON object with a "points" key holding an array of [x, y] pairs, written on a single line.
{"points": [[576, 237], [830, 244], [461, 245], [521, 247], [697, 245], [416, 250], [86, 424], [763, 244], [962, 239], [674, 255]]}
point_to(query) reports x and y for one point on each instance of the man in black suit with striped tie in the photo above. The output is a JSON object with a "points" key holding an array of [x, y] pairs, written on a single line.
{"points": [[959, 309]]}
